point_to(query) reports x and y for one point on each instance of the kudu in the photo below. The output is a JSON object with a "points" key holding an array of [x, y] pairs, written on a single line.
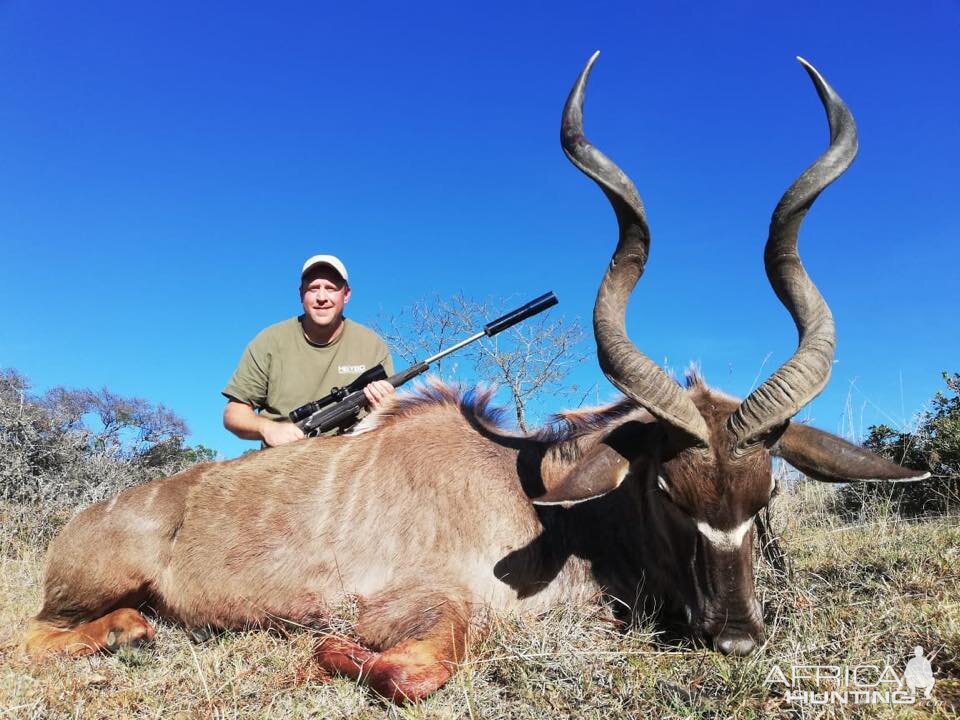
{"points": [[425, 514]]}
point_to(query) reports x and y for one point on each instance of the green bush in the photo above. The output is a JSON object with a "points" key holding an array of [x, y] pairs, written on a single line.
{"points": [[934, 446]]}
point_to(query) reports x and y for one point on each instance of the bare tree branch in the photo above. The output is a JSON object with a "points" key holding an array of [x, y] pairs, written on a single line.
{"points": [[527, 360]]}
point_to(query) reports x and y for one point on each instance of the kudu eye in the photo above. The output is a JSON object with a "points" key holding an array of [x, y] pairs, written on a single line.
{"points": [[662, 484]]}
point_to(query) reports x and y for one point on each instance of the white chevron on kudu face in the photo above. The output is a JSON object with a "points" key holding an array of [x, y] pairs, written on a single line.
{"points": [[725, 539]]}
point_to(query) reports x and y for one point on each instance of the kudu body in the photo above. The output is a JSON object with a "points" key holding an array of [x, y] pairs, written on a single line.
{"points": [[425, 513]]}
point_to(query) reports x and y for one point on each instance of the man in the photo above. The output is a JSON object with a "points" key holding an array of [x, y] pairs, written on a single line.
{"points": [[301, 359]]}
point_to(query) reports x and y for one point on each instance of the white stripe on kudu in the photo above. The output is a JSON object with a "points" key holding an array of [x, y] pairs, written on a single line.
{"points": [[725, 539]]}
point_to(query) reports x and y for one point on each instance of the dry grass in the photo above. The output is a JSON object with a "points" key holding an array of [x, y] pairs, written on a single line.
{"points": [[862, 593]]}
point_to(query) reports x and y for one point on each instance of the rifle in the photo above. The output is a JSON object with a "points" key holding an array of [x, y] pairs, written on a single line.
{"points": [[339, 409]]}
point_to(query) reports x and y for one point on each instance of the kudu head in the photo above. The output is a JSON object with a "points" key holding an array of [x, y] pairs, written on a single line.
{"points": [[702, 459]]}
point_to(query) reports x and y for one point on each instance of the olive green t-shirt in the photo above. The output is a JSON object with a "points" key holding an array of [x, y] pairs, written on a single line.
{"points": [[281, 370]]}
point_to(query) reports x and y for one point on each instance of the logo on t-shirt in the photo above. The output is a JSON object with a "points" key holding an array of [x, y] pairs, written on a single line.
{"points": [[350, 369]]}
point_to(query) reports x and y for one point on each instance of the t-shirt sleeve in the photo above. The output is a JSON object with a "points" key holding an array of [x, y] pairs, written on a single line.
{"points": [[250, 379]]}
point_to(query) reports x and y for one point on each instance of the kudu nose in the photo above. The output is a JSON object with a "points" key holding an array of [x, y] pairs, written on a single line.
{"points": [[735, 644]]}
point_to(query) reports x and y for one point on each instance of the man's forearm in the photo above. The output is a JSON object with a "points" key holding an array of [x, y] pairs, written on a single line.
{"points": [[240, 419]]}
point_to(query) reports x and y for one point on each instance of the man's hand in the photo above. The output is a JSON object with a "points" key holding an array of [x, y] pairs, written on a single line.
{"points": [[279, 433], [240, 419], [378, 391]]}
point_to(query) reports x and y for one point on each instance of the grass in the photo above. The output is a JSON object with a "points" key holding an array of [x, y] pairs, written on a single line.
{"points": [[854, 593]]}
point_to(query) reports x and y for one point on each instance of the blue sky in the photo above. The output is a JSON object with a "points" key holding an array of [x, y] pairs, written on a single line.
{"points": [[165, 169]]}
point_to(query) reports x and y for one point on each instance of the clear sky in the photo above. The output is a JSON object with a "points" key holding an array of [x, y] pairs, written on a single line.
{"points": [[166, 167]]}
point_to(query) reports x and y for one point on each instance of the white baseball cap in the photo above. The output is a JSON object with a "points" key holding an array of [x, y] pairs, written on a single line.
{"points": [[330, 260]]}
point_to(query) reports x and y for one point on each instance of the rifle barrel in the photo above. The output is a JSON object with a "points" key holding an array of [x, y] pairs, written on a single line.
{"points": [[454, 348], [537, 305]]}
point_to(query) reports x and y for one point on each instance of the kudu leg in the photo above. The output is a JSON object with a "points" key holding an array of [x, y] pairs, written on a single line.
{"points": [[422, 639], [104, 564], [120, 628], [89, 608]]}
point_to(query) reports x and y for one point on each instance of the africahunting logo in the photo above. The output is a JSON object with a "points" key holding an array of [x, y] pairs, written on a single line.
{"points": [[854, 684]]}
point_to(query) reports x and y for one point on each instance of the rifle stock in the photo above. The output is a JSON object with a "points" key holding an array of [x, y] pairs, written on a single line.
{"points": [[344, 413]]}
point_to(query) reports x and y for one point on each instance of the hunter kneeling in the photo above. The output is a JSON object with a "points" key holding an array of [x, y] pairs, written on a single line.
{"points": [[301, 359]]}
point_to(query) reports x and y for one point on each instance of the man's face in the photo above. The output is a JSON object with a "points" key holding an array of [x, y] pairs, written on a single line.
{"points": [[323, 294]]}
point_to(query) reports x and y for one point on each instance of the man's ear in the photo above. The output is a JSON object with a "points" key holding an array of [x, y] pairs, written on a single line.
{"points": [[346, 294], [828, 458], [604, 466]]}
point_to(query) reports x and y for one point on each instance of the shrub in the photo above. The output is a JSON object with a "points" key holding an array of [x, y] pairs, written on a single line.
{"points": [[70, 448], [934, 446]]}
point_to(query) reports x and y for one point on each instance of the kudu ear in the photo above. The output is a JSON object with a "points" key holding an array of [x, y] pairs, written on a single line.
{"points": [[602, 468], [598, 472], [828, 458]]}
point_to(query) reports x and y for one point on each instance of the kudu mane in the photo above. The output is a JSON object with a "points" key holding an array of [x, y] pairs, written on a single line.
{"points": [[473, 404]]}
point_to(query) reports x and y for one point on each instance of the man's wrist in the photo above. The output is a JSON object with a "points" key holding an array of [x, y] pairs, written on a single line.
{"points": [[263, 426]]}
